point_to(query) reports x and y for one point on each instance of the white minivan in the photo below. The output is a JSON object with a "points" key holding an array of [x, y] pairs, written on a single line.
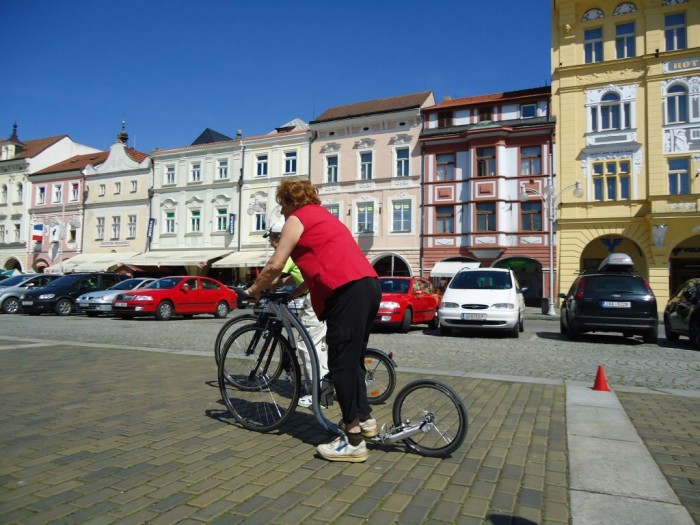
{"points": [[483, 299]]}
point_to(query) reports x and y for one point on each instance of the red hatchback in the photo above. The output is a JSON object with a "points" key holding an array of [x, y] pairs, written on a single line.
{"points": [[407, 301], [169, 296]]}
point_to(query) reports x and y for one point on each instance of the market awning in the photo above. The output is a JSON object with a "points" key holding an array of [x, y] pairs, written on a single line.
{"points": [[91, 262], [243, 259], [176, 258], [450, 268]]}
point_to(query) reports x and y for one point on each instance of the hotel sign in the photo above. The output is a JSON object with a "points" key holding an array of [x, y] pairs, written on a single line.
{"points": [[682, 64]]}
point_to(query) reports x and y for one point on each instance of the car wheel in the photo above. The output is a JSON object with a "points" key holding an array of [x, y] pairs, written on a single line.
{"points": [[671, 336], [221, 310], [521, 325], [445, 330], [571, 332], [10, 305], [515, 331], [435, 322], [407, 319], [63, 307], [694, 332], [562, 326], [164, 312], [652, 336]]}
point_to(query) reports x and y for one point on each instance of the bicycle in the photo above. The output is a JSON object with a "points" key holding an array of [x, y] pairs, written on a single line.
{"points": [[380, 368], [260, 383]]}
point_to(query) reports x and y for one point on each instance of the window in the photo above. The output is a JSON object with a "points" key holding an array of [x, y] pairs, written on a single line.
{"points": [[333, 209], [100, 233], [116, 226], [102, 190], [74, 191], [531, 160], [531, 215], [624, 40], [170, 175], [444, 119], [134, 186], [675, 32], [446, 167], [444, 219], [117, 188], [221, 219], [222, 169], [72, 234], [402, 162], [486, 216], [17, 229], [2, 234], [260, 222], [332, 168], [132, 227], [290, 161], [3, 194], [593, 45], [401, 216], [57, 193], [365, 217], [20, 192], [611, 114], [611, 180], [195, 221], [485, 162], [41, 195], [169, 222], [196, 172], [676, 104], [678, 176], [485, 114], [366, 165], [261, 166], [528, 111]]}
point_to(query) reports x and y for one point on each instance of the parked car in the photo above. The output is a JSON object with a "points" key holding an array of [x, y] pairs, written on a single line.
{"points": [[485, 299], [682, 313], [100, 302], [407, 301], [13, 288], [181, 295], [59, 296], [613, 299]]}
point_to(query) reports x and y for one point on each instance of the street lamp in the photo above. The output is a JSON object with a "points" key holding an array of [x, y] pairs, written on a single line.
{"points": [[550, 198]]}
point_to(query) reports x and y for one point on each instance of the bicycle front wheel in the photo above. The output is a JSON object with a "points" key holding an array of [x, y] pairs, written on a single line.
{"points": [[380, 376], [227, 330], [259, 378], [439, 411]]}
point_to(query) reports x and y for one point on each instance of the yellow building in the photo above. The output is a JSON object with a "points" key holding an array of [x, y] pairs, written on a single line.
{"points": [[626, 96]]}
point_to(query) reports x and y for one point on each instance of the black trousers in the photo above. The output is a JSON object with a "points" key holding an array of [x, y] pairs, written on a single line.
{"points": [[350, 312]]}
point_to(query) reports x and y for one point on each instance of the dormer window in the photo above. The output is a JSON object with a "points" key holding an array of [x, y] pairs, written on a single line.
{"points": [[444, 119], [485, 114]]}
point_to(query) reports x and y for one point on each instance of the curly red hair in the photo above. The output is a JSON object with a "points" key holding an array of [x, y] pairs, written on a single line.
{"points": [[296, 193]]}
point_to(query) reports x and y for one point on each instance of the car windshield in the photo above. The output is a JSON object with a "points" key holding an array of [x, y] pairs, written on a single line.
{"points": [[129, 284], [609, 284], [481, 280], [394, 285], [14, 281], [166, 283]]}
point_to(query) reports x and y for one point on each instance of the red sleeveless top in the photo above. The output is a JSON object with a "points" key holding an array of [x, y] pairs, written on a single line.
{"points": [[327, 255]]}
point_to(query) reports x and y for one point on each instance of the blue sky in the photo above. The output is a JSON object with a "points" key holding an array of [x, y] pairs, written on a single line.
{"points": [[174, 68]]}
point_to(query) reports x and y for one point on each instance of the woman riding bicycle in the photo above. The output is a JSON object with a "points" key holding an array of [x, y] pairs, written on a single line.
{"points": [[344, 292]]}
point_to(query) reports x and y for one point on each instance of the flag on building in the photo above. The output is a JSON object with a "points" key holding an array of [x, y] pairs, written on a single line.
{"points": [[38, 232]]}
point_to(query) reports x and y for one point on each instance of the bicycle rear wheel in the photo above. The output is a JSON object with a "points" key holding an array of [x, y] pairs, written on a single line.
{"points": [[380, 376], [441, 412], [259, 378], [227, 330]]}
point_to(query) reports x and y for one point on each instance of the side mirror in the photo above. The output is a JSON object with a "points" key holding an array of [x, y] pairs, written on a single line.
{"points": [[562, 295], [524, 289]]}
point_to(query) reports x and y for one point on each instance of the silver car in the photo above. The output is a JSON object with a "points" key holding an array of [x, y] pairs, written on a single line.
{"points": [[100, 302], [12, 288]]}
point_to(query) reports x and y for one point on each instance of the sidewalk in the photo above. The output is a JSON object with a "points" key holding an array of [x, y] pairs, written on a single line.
{"points": [[96, 435]]}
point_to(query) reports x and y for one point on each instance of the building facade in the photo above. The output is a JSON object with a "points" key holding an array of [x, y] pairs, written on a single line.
{"points": [[18, 161], [480, 155], [626, 95], [366, 164]]}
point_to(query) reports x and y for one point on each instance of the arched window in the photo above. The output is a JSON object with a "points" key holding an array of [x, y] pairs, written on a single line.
{"points": [[19, 192], [676, 104], [610, 113]]}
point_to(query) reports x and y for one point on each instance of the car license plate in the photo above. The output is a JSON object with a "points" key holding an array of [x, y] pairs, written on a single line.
{"points": [[616, 304], [473, 317], [27, 303], [120, 305]]}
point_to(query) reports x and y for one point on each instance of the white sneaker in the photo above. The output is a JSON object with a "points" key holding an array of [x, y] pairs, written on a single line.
{"points": [[369, 428], [341, 450], [305, 401]]}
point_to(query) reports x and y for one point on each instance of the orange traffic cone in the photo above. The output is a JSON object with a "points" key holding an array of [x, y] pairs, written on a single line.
{"points": [[601, 384]]}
